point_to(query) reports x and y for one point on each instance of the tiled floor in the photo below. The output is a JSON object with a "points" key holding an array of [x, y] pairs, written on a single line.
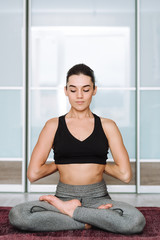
{"points": [[137, 200]]}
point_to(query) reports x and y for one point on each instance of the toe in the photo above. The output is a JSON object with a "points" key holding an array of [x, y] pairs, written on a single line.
{"points": [[105, 206], [44, 198]]}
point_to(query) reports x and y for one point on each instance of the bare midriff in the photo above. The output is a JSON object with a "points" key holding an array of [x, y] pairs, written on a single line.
{"points": [[81, 174]]}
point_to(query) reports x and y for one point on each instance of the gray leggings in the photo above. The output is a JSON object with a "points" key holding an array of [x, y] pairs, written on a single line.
{"points": [[41, 216]]}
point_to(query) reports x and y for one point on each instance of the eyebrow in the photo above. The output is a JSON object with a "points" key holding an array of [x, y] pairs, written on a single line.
{"points": [[82, 86]]}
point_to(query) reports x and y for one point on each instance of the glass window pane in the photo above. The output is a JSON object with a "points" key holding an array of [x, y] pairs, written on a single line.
{"points": [[10, 172], [149, 125], [89, 45], [150, 174], [119, 106], [11, 127], [11, 47], [105, 40], [150, 43]]}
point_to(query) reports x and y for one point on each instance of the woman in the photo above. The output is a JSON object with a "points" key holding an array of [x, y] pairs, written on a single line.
{"points": [[80, 140]]}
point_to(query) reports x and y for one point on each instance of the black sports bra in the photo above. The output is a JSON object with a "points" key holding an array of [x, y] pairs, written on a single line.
{"points": [[69, 150]]}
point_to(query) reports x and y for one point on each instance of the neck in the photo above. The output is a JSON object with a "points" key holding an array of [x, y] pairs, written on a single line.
{"points": [[79, 114]]}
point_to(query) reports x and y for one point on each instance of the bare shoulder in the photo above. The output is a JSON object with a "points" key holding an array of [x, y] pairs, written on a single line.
{"points": [[51, 125], [48, 132], [49, 128], [110, 128], [46, 137], [108, 124]]}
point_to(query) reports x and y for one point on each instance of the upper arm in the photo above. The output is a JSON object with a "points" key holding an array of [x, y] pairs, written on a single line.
{"points": [[44, 144], [116, 145]]}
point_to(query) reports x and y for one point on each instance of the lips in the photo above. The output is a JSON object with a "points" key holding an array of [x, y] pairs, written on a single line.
{"points": [[79, 102]]}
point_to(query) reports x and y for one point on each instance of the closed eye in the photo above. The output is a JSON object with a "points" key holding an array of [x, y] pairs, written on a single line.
{"points": [[86, 90]]}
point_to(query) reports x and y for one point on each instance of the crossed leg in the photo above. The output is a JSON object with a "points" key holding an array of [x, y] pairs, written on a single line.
{"points": [[53, 214], [41, 216], [68, 207], [105, 214]]}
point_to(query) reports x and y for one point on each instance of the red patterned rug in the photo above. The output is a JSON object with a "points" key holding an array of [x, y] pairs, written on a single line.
{"points": [[151, 230]]}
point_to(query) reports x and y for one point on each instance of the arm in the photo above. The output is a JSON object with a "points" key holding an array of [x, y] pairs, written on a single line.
{"points": [[121, 169], [38, 168]]}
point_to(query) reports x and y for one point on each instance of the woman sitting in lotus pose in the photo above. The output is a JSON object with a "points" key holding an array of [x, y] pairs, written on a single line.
{"points": [[80, 140]]}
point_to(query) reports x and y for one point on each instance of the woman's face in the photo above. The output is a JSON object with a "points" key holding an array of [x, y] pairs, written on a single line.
{"points": [[80, 91]]}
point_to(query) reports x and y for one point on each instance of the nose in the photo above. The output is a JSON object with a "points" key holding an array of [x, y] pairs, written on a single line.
{"points": [[79, 94]]}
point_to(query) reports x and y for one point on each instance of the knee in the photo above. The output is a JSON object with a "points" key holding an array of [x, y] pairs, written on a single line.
{"points": [[137, 225], [13, 216], [16, 218]]}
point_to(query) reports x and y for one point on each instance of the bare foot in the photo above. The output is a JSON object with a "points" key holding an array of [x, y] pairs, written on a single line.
{"points": [[67, 207], [105, 206]]}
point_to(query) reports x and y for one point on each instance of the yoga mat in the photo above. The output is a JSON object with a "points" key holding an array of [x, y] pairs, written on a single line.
{"points": [[151, 230]]}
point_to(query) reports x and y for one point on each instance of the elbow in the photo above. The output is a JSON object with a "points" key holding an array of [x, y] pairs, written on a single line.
{"points": [[31, 179], [127, 180], [31, 176], [127, 177]]}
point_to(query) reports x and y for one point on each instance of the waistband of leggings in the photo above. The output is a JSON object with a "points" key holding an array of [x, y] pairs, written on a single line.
{"points": [[91, 190]]}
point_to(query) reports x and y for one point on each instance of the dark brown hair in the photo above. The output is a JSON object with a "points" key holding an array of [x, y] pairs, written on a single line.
{"points": [[81, 69]]}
